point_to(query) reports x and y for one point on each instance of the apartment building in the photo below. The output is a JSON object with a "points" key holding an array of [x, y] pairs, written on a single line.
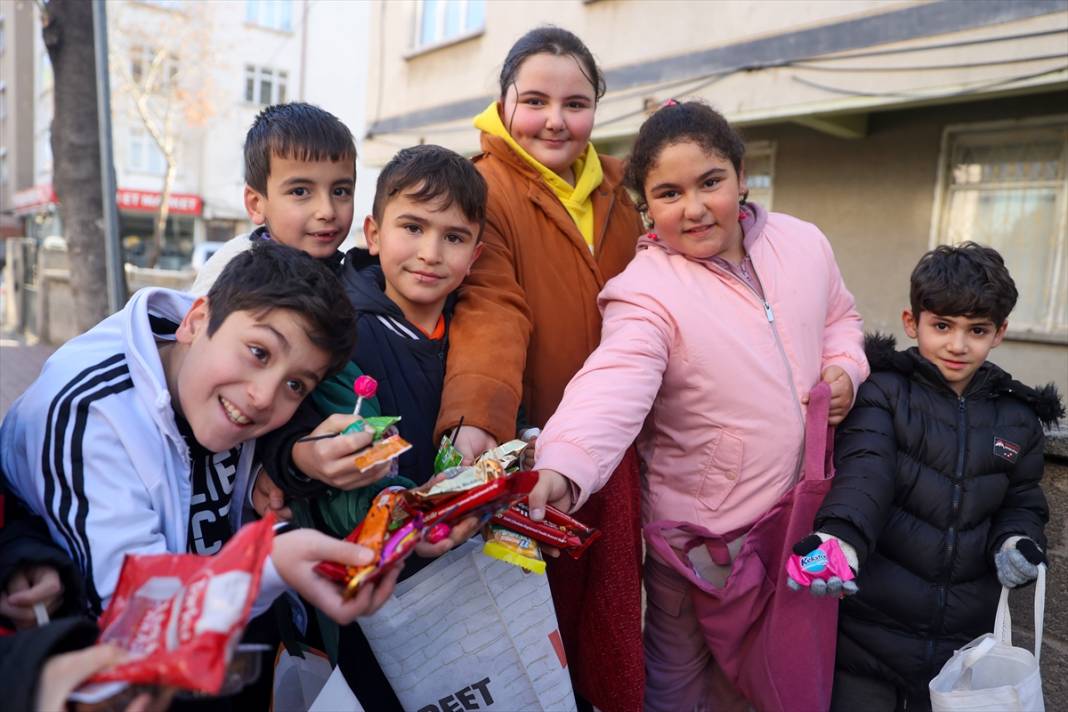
{"points": [[894, 125], [200, 71]]}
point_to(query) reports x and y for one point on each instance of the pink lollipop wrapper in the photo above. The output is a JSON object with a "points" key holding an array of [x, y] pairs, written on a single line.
{"points": [[819, 564]]}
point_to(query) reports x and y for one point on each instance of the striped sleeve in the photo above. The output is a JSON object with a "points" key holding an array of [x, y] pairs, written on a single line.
{"points": [[94, 499]]}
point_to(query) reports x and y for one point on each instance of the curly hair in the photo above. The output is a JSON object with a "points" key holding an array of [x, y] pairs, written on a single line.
{"points": [[675, 123], [963, 280]]}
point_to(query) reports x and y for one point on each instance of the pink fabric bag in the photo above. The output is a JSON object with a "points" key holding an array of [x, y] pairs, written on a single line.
{"points": [[776, 645]]}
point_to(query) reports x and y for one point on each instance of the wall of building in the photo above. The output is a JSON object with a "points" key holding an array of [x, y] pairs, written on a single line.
{"points": [[874, 197]]}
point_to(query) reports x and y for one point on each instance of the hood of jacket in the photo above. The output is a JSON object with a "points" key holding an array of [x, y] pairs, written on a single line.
{"points": [[882, 353]]}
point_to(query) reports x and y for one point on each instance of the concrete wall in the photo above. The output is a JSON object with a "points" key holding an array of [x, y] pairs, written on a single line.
{"points": [[874, 196], [1054, 660]]}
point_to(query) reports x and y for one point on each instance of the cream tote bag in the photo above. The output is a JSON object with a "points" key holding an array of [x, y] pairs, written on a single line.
{"points": [[989, 674]]}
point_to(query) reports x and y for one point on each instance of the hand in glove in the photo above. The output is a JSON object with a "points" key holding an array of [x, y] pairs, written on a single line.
{"points": [[1017, 562], [824, 564]]}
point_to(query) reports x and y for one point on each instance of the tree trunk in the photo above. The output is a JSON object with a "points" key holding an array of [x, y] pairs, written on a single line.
{"points": [[68, 35], [162, 212]]}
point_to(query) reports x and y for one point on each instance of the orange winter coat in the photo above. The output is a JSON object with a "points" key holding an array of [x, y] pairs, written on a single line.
{"points": [[527, 315]]}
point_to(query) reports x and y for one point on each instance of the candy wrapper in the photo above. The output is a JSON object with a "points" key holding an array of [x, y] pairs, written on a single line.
{"points": [[179, 616], [382, 451], [822, 563], [558, 529], [513, 548], [454, 481], [379, 424], [448, 456], [394, 526], [508, 454]]}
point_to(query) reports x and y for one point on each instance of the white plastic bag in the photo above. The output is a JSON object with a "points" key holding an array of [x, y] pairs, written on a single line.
{"points": [[471, 632], [988, 674]]}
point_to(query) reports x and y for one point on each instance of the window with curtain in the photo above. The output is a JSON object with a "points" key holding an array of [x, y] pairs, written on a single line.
{"points": [[442, 20], [272, 14], [1009, 189]]}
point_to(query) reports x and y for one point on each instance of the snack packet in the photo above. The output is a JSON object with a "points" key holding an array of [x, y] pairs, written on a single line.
{"points": [[382, 451], [448, 456], [379, 424], [454, 481], [822, 563], [179, 616], [514, 548], [507, 454]]}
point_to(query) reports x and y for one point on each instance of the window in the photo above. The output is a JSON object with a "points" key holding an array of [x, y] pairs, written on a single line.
{"points": [[164, 4], [144, 155], [141, 59], [760, 172], [265, 86], [443, 20], [43, 152], [1006, 187], [272, 14]]}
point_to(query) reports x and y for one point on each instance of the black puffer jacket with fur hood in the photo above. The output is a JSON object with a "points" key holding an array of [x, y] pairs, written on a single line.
{"points": [[928, 486]]}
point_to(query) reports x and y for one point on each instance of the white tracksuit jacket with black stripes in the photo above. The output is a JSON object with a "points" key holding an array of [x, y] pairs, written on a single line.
{"points": [[92, 446]]}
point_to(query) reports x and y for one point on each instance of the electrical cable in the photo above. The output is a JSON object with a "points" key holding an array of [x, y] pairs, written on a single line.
{"points": [[904, 95]]}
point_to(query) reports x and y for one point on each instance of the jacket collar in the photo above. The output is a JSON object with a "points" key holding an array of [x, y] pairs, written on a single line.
{"points": [[989, 381]]}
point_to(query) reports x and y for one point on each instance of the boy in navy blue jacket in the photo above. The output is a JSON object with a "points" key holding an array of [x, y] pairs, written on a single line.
{"points": [[423, 235]]}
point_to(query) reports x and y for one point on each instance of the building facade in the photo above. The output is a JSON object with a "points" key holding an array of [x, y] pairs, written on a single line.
{"points": [[187, 80], [893, 125]]}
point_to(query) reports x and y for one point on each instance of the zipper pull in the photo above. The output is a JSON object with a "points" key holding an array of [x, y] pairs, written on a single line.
{"points": [[768, 313]]}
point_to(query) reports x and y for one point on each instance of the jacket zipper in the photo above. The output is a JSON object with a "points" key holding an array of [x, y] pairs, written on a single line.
{"points": [[770, 316], [951, 533]]}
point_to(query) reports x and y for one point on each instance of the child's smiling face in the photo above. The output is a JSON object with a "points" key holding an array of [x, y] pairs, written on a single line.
{"points": [[244, 380], [308, 204], [956, 345], [692, 197], [425, 249], [549, 111]]}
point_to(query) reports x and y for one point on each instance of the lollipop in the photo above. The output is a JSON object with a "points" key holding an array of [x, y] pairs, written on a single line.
{"points": [[363, 387]]}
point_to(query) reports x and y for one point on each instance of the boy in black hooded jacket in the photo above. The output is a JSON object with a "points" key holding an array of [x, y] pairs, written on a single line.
{"points": [[936, 496]]}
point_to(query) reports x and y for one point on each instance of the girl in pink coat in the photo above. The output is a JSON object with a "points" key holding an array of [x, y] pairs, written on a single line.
{"points": [[712, 338]]}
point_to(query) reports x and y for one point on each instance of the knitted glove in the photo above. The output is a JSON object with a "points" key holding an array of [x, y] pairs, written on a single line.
{"points": [[1017, 562], [834, 585]]}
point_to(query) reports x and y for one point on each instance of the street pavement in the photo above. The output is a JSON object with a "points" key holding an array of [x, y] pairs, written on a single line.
{"points": [[20, 362]]}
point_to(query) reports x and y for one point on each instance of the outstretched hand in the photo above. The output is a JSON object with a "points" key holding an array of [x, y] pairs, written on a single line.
{"points": [[553, 488], [295, 555]]}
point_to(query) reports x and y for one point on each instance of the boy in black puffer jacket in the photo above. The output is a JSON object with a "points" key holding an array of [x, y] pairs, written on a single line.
{"points": [[937, 495]]}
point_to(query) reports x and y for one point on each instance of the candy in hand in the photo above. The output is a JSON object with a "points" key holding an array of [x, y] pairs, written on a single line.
{"points": [[363, 387], [820, 566]]}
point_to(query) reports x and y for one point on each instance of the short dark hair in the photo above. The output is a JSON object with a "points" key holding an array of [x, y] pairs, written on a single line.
{"points": [[299, 131], [433, 173], [556, 41], [963, 280], [271, 276], [674, 123]]}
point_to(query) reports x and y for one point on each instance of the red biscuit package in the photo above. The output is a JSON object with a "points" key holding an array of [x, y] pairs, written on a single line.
{"points": [[180, 616]]}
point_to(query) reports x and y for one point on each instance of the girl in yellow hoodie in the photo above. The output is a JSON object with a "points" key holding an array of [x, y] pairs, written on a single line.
{"points": [[559, 224]]}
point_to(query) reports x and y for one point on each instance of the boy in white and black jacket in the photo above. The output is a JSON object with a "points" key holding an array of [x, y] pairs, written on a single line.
{"points": [[138, 435], [936, 496]]}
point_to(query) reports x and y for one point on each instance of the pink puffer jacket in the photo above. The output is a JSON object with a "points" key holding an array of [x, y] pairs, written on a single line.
{"points": [[707, 377]]}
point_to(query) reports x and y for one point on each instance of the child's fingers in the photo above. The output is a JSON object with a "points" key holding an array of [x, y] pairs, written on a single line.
{"points": [[47, 587], [17, 582]]}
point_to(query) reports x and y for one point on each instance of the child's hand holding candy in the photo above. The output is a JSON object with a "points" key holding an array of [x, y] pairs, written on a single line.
{"points": [[36, 586], [552, 488], [330, 459], [824, 564]]}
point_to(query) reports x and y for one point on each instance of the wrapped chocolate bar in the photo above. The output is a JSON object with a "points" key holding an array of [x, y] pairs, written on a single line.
{"points": [[558, 529]]}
